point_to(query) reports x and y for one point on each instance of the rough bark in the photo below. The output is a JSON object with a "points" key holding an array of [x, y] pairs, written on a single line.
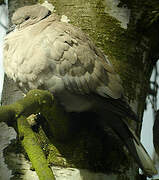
{"points": [[133, 52]]}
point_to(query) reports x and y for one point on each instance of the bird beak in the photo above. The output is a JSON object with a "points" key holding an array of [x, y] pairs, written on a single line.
{"points": [[10, 29]]}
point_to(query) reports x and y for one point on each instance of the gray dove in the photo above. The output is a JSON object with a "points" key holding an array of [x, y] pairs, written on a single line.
{"points": [[44, 53]]}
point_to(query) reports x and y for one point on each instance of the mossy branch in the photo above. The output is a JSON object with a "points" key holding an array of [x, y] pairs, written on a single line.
{"points": [[34, 151], [33, 103], [38, 101]]}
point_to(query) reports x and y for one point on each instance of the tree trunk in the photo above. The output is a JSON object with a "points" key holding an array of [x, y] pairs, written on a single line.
{"points": [[132, 49]]}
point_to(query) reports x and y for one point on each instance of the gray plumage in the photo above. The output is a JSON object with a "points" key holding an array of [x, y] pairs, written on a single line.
{"points": [[44, 53], [67, 60]]}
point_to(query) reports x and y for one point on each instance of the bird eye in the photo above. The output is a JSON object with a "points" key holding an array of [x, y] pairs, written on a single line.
{"points": [[27, 18]]}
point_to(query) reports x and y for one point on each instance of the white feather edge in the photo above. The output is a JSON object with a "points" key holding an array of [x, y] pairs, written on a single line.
{"points": [[147, 163]]}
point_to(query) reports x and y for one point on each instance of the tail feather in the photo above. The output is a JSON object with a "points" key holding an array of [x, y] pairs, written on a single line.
{"points": [[132, 143], [142, 157], [122, 108], [146, 163], [119, 107]]}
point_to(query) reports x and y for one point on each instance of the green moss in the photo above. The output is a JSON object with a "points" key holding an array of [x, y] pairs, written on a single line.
{"points": [[58, 120], [34, 152], [41, 1]]}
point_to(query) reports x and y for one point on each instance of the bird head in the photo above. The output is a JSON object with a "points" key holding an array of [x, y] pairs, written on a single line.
{"points": [[28, 15]]}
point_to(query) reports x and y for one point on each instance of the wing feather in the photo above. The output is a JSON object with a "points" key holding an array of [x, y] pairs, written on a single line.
{"points": [[76, 62]]}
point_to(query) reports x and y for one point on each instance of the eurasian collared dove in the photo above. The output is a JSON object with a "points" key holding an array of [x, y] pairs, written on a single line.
{"points": [[44, 53]]}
